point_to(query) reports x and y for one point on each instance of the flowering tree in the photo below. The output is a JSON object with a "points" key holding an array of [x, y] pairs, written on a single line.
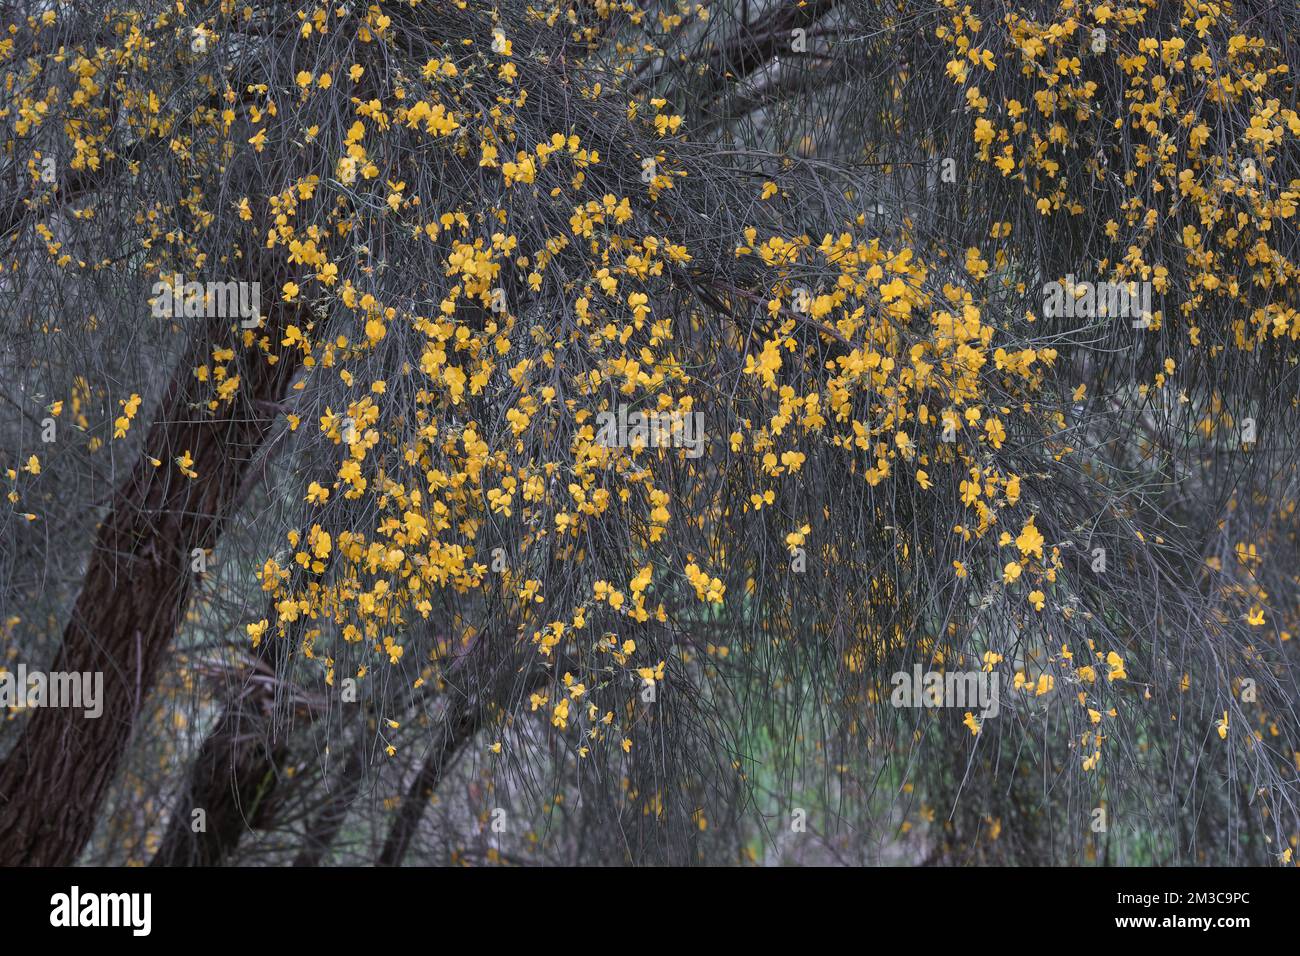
{"points": [[572, 432]]}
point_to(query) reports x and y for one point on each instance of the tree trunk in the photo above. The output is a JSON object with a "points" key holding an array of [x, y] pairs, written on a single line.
{"points": [[232, 780], [237, 770], [457, 729], [55, 779], [325, 825], [467, 712]]}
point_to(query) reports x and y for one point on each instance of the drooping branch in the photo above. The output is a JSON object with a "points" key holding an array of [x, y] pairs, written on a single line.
{"points": [[472, 700]]}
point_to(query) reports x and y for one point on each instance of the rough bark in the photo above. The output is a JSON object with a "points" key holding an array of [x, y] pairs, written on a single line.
{"points": [[136, 585]]}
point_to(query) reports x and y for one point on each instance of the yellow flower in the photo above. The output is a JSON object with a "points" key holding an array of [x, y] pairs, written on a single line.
{"points": [[185, 463], [1116, 665], [255, 631], [560, 715], [1030, 541]]}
